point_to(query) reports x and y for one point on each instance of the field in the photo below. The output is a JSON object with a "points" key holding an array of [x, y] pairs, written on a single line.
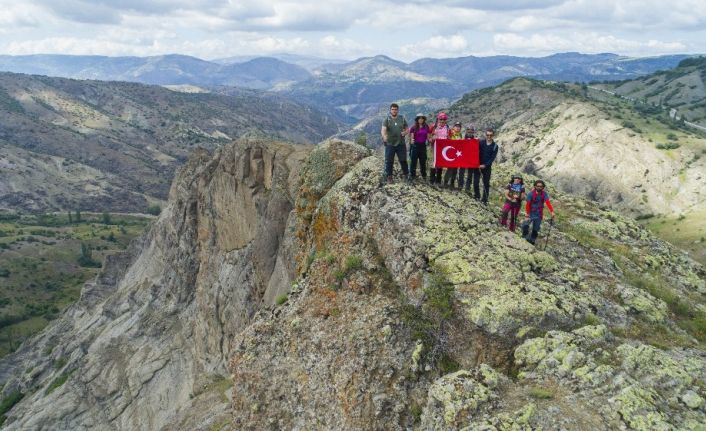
{"points": [[45, 260], [687, 232]]}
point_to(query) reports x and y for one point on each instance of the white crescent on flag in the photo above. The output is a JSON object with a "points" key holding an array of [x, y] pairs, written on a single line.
{"points": [[446, 156]]}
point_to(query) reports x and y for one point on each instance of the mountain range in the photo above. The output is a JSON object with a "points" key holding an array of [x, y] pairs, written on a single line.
{"points": [[351, 89]]}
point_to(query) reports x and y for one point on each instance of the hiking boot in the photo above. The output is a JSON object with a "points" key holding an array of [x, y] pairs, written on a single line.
{"points": [[389, 179]]}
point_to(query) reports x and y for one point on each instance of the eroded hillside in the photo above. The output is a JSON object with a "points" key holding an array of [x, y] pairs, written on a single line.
{"points": [[111, 146], [341, 304], [606, 151]]}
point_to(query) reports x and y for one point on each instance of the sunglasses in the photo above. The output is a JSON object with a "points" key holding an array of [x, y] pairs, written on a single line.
{"points": [[539, 187]]}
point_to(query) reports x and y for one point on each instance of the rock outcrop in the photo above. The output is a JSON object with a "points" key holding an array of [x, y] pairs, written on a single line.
{"points": [[336, 303], [149, 339]]}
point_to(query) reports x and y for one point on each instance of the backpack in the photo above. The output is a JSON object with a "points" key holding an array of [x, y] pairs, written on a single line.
{"points": [[534, 198]]}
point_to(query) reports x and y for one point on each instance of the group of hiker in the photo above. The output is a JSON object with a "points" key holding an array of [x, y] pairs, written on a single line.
{"points": [[422, 136]]}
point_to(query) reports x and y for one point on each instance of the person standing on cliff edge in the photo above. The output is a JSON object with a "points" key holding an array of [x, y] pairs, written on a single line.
{"points": [[393, 131], [488, 152]]}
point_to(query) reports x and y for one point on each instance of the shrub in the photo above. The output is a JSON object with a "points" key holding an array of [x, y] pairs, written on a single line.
{"points": [[10, 401], [541, 393], [429, 321], [86, 258], [281, 299], [154, 210]]}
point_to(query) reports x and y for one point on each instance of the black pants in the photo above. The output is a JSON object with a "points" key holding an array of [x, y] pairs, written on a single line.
{"points": [[465, 178], [435, 175], [477, 174], [401, 151], [450, 177], [418, 152]]}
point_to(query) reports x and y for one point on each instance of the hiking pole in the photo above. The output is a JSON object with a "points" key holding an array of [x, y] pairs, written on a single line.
{"points": [[546, 241]]}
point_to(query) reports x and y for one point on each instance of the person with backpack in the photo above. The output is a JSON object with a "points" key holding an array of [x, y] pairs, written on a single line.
{"points": [[419, 134], [394, 129], [488, 153], [465, 177], [450, 174], [440, 130], [537, 198], [514, 195]]}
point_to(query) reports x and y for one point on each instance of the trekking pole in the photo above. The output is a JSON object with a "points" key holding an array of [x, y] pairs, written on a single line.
{"points": [[546, 241]]}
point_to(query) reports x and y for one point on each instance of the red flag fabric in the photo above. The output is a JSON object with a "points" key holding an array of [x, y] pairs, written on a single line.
{"points": [[457, 153]]}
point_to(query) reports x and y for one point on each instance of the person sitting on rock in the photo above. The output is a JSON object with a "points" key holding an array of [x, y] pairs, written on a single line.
{"points": [[534, 211], [514, 194]]}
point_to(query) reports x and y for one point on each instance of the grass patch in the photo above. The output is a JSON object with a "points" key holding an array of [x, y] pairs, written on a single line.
{"points": [[692, 227], [540, 393], [281, 299], [8, 403], [687, 317], [58, 382]]}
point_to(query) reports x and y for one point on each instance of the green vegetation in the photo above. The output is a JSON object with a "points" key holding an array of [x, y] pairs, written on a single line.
{"points": [[8, 403], [691, 228], [351, 264], [684, 310], [429, 321], [281, 299], [86, 258], [154, 210], [39, 265], [58, 382], [362, 139], [668, 146], [541, 393]]}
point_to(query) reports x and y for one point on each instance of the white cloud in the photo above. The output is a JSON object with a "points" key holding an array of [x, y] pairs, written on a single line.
{"points": [[437, 47], [341, 29], [541, 44]]}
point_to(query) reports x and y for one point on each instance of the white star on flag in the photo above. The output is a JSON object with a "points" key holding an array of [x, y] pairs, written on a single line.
{"points": [[458, 153]]}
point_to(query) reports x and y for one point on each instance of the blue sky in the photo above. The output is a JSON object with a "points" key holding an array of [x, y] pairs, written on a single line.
{"points": [[406, 31]]}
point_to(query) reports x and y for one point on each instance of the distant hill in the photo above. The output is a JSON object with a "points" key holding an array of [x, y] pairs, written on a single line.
{"points": [[603, 149], [350, 90], [159, 70], [682, 89], [306, 61], [93, 145], [365, 85]]}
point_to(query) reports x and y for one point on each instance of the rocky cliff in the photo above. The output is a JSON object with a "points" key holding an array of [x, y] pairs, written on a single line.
{"points": [[283, 289]]}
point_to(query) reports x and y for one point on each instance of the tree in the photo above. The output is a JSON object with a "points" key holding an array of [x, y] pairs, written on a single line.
{"points": [[86, 257], [106, 218], [155, 210], [78, 216], [362, 139], [71, 220]]}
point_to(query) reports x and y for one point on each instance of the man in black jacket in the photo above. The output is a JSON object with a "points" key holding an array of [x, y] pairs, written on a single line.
{"points": [[488, 152]]}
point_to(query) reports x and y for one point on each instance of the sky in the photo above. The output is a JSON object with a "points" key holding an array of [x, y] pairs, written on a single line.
{"points": [[337, 29]]}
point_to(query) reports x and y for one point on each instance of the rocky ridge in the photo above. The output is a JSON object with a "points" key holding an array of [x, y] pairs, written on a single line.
{"points": [[340, 304]]}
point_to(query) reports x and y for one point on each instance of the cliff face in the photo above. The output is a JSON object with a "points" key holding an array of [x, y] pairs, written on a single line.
{"points": [[149, 338], [283, 289]]}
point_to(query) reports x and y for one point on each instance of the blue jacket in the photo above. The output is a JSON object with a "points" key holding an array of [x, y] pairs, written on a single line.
{"points": [[488, 152]]}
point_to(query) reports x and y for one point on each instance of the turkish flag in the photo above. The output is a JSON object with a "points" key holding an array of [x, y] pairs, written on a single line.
{"points": [[457, 153]]}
